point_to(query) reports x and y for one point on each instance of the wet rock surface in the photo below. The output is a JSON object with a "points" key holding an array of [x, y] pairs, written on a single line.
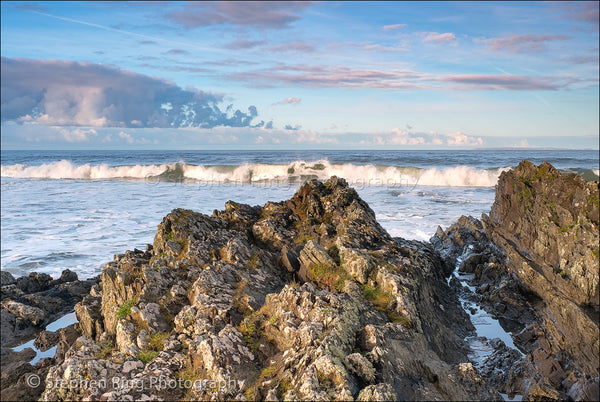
{"points": [[534, 266], [28, 304]]}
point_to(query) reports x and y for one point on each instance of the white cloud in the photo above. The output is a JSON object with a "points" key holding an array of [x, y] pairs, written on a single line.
{"points": [[36, 136], [401, 137], [460, 139], [312, 137], [289, 101], [217, 137], [393, 27], [435, 37], [522, 144], [126, 137], [77, 134], [224, 139]]}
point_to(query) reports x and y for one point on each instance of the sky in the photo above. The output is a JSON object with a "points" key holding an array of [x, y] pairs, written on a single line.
{"points": [[299, 75]]}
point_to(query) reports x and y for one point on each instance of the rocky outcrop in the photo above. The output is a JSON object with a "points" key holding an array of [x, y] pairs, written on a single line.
{"points": [[28, 304], [535, 265], [308, 298], [550, 220], [31, 302]]}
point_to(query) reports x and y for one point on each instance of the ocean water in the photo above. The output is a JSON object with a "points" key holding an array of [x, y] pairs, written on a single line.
{"points": [[75, 209]]}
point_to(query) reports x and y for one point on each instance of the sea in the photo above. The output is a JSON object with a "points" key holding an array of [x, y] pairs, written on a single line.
{"points": [[76, 209]]}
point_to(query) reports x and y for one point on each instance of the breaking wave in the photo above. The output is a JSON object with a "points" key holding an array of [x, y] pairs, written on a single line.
{"points": [[257, 173]]}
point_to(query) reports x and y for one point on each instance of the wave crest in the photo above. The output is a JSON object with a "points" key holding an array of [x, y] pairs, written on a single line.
{"points": [[249, 173], [66, 170]]}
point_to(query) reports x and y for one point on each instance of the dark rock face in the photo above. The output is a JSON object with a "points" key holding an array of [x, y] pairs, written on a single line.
{"points": [[552, 221], [28, 304], [535, 265], [551, 240], [307, 298], [6, 278], [31, 302]]}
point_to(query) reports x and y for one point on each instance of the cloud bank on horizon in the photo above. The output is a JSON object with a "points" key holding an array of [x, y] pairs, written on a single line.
{"points": [[310, 74], [67, 93]]}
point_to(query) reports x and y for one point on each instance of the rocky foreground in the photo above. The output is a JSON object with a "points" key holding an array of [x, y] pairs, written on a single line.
{"points": [[535, 264], [28, 304], [311, 299]]}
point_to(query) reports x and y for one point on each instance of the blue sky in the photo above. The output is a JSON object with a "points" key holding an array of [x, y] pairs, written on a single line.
{"points": [[287, 75]]}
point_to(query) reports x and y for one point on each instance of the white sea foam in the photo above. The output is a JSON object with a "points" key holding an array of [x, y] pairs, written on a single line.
{"points": [[66, 170], [297, 171]]}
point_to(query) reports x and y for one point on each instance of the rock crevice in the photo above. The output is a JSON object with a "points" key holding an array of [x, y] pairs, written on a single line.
{"points": [[535, 265]]}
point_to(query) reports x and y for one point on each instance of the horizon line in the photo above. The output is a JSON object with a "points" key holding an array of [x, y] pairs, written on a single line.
{"points": [[310, 149]]}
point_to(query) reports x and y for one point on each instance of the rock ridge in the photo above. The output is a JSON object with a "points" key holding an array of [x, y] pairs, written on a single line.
{"points": [[535, 265], [304, 299]]}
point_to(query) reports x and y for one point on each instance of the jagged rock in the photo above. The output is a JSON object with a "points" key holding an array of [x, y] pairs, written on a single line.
{"points": [[151, 315], [173, 248], [35, 300], [143, 339], [78, 364], [11, 292], [66, 276], [535, 265], [313, 254], [368, 338], [289, 260], [34, 315], [9, 356], [554, 219], [543, 392], [361, 367], [121, 284], [130, 366], [585, 390], [357, 263], [374, 318], [89, 315], [34, 283], [506, 370], [125, 338], [6, 278], [377, 392], [12, 372], [45, 340], [67, 337], [237, 250], [21, 391]]}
